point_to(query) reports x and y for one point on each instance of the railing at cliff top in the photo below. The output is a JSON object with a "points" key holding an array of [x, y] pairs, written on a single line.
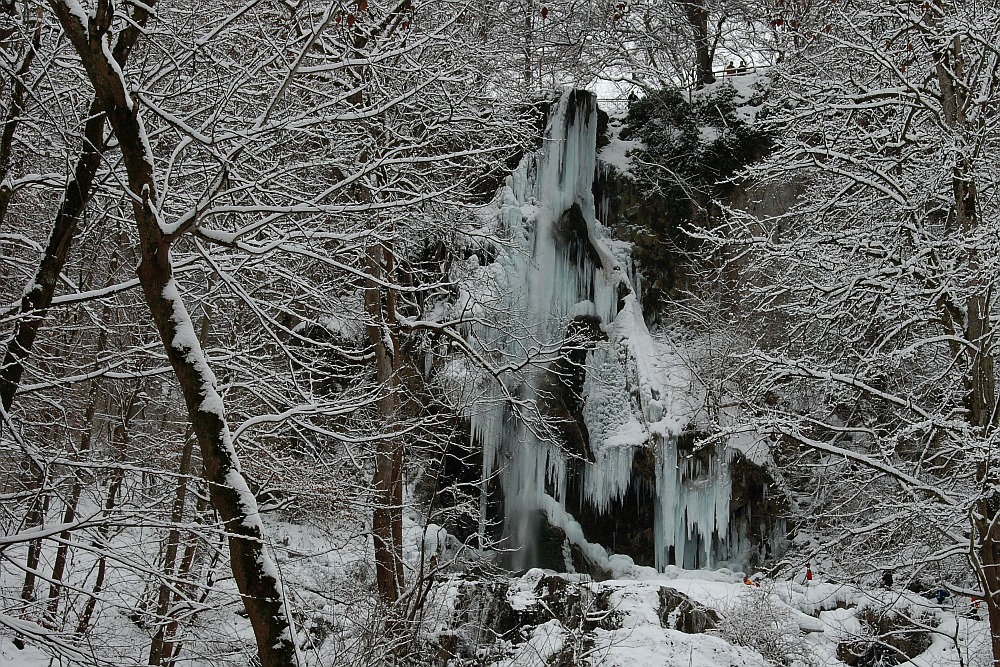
{"points": [[614, 106]]}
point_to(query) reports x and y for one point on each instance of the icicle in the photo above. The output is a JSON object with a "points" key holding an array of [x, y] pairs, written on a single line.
{"points": [[607, 479], [632, 385]]}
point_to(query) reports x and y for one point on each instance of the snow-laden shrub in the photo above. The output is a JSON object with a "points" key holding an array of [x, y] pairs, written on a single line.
{"points": [[758, 621]]}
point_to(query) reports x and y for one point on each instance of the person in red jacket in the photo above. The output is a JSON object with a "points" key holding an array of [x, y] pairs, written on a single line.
{"points": [[809, 574]]}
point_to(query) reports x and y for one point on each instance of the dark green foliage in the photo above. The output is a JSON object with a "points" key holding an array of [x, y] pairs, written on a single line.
{"points": [[692, 147], [692, 150]]}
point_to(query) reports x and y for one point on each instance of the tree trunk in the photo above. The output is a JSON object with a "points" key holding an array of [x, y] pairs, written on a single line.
{"points": [[254, 572], [387, 518], [159, 647], [36, 301], [156, 649], [171, 648], [35, 517], [980, 377], [14, 117], [528, 47], [697, 16], [62, 552], [83, 626]]}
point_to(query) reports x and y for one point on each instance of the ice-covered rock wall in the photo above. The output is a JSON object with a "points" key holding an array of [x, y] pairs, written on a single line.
{"points": [[561, 273]]}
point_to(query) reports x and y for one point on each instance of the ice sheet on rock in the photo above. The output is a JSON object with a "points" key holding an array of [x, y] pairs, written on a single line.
{"points": [[693, 488], [550, 274], [614, 430], [667, 394], [558, 516]]}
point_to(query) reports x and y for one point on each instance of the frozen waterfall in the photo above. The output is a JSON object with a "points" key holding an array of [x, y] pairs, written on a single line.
{"points": [[561, 272]]}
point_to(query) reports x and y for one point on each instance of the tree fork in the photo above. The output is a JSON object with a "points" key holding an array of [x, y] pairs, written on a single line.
{"points": [[253, 571]]}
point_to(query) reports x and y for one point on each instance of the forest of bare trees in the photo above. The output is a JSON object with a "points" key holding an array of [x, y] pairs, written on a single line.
{"points": [[227, 232]]}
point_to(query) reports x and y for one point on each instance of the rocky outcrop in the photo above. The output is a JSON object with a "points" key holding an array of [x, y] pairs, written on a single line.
{"points": [[891, 639], [494, 611], [679, 612]]}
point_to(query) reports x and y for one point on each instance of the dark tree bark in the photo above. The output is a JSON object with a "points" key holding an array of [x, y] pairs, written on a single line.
{"points": [[13, 118], [83, 626], [69, 513], [159, 647], [387, 519], [697, 16], [980, 375], [252, 568], [156, 648], [36, 514], [172, 648], [62, 552], [36, 301]]}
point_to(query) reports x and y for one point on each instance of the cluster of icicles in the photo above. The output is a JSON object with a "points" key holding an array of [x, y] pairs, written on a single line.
{"points": [[631, 393]]}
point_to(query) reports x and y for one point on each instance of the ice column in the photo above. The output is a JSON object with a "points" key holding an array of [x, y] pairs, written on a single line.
{"points": [[550, 272]]}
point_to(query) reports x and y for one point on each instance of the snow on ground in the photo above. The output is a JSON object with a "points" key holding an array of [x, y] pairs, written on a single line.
{"points": [[329, 574], [814, 621], [650, 646], [29, 656]]}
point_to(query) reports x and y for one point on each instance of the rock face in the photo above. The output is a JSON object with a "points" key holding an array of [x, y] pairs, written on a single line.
{"points": [[510, 612], [892, 639], [598, 456], [679, 612]]}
